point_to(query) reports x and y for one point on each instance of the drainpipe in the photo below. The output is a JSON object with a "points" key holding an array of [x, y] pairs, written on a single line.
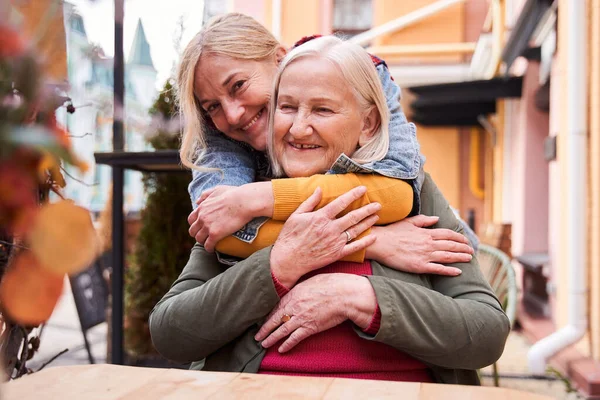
{"points": [[576, 159], [276, 19]]}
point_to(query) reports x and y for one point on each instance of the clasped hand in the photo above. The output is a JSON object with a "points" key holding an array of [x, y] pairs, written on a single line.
{"points": [[316, 305], [310, 240], [220, 212]]}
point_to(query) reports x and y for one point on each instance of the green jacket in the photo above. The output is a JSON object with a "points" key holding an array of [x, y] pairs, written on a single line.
{"points": [[455, 325]]}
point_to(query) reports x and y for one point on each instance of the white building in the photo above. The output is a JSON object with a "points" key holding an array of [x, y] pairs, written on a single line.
{"points": [[91, 90]]}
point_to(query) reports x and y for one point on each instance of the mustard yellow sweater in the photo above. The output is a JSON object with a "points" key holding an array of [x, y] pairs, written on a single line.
{"points": [[394, 195]]}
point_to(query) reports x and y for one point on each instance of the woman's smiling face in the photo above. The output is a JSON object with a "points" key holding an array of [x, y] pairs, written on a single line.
{"points": [[235, 93], [317, 117]]}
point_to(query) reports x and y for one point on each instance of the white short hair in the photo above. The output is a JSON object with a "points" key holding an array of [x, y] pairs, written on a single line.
{"points": [[360, 74]]}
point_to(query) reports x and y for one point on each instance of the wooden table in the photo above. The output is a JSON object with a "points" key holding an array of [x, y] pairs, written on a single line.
{"points": [[107, 382]]}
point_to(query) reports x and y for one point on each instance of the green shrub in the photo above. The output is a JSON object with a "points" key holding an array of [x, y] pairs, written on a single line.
{"points": [[163, 245]]}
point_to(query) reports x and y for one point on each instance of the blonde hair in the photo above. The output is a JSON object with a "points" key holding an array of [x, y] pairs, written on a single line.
{"points": [[360, 74], [234, 35]]}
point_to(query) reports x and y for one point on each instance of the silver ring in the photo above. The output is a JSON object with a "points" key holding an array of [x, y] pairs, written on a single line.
{"points": [[348, 237]]}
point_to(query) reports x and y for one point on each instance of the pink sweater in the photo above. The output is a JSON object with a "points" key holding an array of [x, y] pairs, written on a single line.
{"points": [[340, 352]]}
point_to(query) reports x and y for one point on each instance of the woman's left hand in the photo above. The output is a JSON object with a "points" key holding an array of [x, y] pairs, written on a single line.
{"points": [[315, 305], [219, 214], [223, 210], [409, 246]]}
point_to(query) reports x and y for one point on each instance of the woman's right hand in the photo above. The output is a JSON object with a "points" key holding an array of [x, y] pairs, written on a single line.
{"points": [[311, 239], [409, 246], [223, 210]]}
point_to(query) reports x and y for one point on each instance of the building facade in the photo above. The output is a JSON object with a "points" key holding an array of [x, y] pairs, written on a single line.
{"points": [[90, 77], [551, 182]]}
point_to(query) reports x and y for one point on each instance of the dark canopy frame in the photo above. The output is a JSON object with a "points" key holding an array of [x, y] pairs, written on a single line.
{"points": [[518, 42], [461, 103]]}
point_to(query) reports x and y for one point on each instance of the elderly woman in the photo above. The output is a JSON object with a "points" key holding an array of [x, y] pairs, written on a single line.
{"points": [[225, 80], [357, 320]]}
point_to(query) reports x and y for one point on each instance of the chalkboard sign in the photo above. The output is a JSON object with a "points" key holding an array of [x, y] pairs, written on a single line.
{"points": [[90, 293]]}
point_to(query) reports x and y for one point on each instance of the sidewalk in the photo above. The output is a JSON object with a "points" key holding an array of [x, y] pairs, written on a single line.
{"points": [[514, 364], [63, 332]]}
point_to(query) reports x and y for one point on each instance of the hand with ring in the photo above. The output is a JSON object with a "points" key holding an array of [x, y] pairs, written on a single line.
{"points": [[409, 246], [348, 237], [316, 305], [310, 240]]}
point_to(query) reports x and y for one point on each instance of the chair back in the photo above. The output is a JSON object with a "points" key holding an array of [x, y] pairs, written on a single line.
{"points": [[499, 272]]}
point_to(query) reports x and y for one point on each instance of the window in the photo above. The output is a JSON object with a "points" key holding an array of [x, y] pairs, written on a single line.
{"points": [[351, 17], [76, 22], [213, 8]]}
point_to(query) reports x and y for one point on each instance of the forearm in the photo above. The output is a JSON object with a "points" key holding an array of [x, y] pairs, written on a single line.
{"points": [[191, 313], [394, 195], [267, 235], [457, 323], [465, 333], [286, 195], [258, 199]]}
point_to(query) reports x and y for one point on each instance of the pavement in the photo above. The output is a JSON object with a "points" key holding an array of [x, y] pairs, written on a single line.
{"points": [[63, 332], [512, 367]]}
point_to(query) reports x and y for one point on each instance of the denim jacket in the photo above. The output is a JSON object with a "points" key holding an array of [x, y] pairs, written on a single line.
{"points": [[239, 164]]}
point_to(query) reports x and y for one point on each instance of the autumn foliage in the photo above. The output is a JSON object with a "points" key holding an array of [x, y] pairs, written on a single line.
{"points": [[50, 239]]}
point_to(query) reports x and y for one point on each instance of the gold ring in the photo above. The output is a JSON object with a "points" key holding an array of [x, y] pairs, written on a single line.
{"points": [[348, 237], [285, 318]]}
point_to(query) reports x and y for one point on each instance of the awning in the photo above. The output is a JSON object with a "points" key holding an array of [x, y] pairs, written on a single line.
{"points": [[461, 103], [518, 42]]}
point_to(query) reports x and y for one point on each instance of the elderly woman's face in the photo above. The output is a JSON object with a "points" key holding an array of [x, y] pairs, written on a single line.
{"points": [[235, 94], [317, 117]]}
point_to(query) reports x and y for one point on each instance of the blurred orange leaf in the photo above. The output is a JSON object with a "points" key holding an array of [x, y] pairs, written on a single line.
{"points": [[43, 24], [63, 237], [28, 292]]}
